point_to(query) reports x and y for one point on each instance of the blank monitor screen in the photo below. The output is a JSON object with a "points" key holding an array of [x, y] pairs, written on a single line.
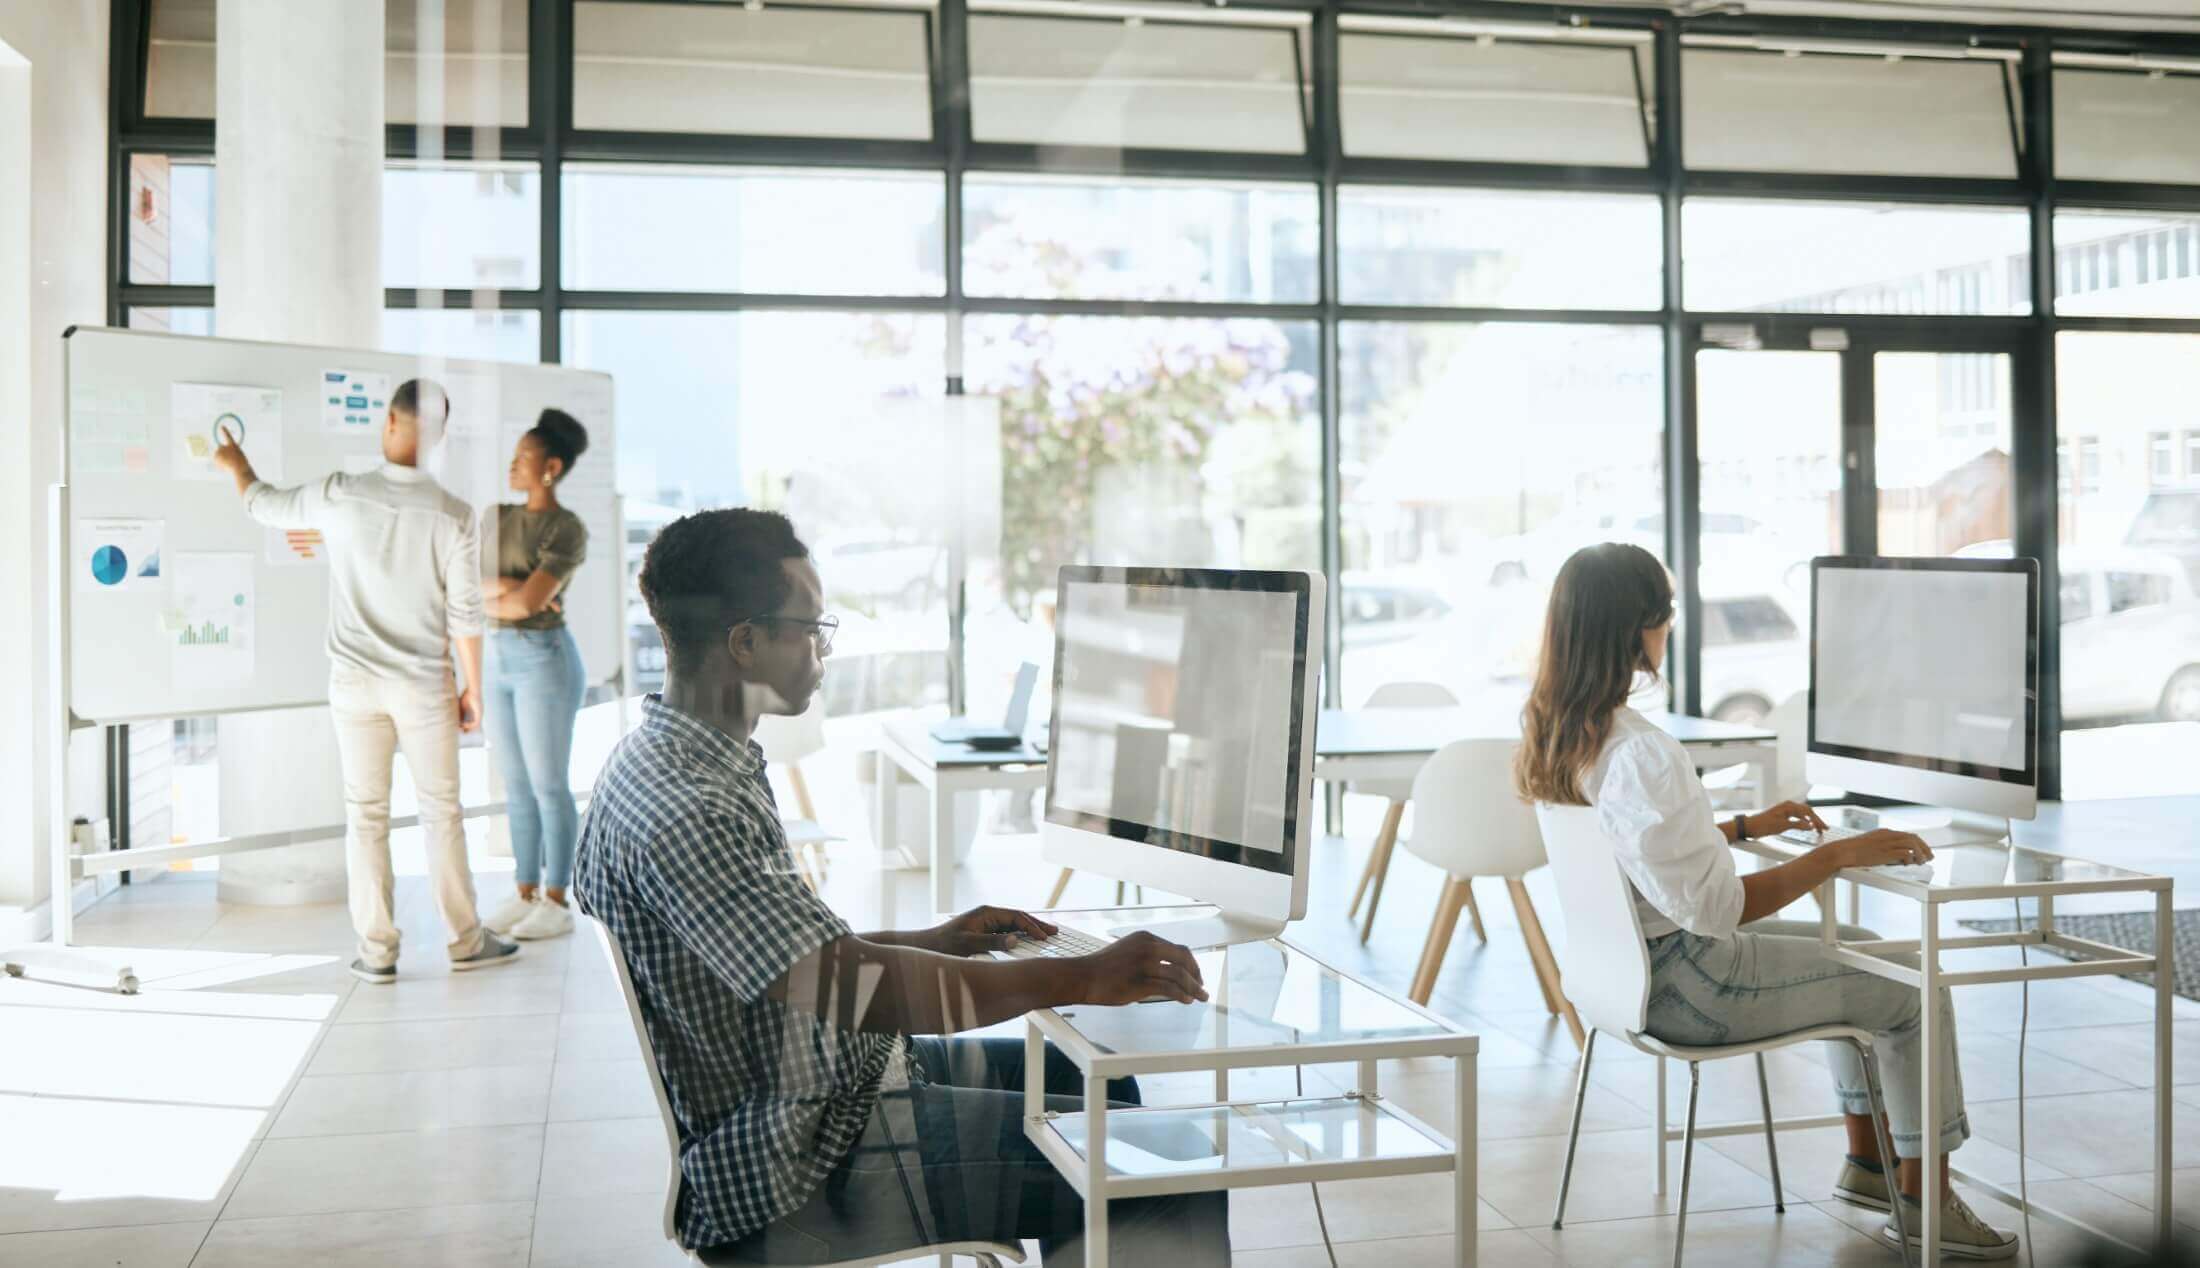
{"points": [[1925, 662], [1176, 709]]}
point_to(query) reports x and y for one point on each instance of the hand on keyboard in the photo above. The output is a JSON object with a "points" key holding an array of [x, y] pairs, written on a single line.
{"points": [[1139, 967], [1880, 847]]}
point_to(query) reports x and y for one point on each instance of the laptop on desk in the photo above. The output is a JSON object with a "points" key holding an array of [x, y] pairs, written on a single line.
{"points": [[1010, 733]]}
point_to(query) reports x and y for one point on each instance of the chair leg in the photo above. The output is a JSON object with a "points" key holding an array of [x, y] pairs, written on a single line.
{"points": [[1546, 964], [1439, 940], [1573, 1131], [1772, 1148], [1887, 1157], [1474, 914], [1119, 893], [1061, 886], [1688, 1159], [1383, 838], [801, 792], [1379, 864]]}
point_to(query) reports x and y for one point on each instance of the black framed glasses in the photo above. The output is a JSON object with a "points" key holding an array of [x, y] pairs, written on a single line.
{"points": [[821, 630]]}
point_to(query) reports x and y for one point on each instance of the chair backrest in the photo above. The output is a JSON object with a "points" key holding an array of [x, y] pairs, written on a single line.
{"points": [[671, 1125], [1604, 962], [1790, 723], [1402, 695], [1466, 817], [787, 740]]}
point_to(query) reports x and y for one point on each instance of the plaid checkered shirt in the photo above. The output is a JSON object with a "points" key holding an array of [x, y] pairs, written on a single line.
{"points": [[684, 858]]}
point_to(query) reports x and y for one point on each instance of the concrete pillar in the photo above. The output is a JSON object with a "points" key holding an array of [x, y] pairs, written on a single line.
{"points": [[298, 168]]}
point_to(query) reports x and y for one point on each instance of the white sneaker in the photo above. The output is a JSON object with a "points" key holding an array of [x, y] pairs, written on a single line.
{"points": [[514, 910], [547, 920], [1963, 1235]]}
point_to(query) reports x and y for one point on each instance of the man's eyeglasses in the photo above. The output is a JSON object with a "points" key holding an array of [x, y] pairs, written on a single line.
{"points": [[821, 630]]}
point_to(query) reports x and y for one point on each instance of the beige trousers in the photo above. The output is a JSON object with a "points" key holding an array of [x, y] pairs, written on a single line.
{"points": [[376, 718]]}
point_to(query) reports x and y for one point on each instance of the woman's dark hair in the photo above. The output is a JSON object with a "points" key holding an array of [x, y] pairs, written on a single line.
{"points": [[561, 435], [1605, 598], [707, 572]]}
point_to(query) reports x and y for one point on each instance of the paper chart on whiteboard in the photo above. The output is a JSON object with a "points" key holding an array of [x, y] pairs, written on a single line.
{"points": [[354, 402], [212, 609], [115, 555], [200, 414]]}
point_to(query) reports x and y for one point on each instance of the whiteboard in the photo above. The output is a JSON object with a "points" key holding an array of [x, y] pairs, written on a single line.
{"points": [[138, 495]]}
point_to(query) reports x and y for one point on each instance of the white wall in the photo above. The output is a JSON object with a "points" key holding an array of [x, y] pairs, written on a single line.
{"points": [[65, 44]]}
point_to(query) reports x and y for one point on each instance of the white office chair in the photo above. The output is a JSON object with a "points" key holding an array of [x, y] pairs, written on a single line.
{"points": [[1396, 695], [988, 1254], [1609, 966], [1468, 821], [786, 741]]}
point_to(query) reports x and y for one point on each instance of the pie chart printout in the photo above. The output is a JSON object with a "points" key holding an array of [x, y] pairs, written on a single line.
{"points": [[110, 565]]}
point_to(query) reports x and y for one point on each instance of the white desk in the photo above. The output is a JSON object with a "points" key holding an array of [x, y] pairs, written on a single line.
{"points": [[1971, 872], [1349, 744], [1271, 1004]]}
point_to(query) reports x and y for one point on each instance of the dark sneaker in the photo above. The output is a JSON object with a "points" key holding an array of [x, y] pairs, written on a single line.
{"points": [[1862, 1184], [494, 951], [368, 973]]}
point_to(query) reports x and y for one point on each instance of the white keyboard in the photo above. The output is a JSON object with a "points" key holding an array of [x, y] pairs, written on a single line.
{"points": [[1920, 873], [1065, 944]]}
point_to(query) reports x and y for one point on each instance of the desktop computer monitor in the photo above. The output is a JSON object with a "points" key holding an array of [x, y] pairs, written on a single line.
{"points": [[1181, 750], [1924, 683]]}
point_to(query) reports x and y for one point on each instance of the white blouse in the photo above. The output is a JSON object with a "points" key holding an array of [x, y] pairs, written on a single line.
{"points": [[1658, 817]]}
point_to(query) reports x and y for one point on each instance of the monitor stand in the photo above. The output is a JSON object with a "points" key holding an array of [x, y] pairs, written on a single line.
{"points": [[1205, 933], [1968, 828]]}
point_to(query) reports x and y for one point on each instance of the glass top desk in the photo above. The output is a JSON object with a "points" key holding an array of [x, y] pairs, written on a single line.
{"points": [[1270, 1004], [2006, 872]]}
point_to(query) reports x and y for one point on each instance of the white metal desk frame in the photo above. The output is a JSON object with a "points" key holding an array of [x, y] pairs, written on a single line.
{"points": [[897, 752], [1089, 1176], [1929, 977]]}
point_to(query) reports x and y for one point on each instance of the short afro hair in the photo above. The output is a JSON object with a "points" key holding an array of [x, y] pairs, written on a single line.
{"points": [[427, 404], [707, 572]]}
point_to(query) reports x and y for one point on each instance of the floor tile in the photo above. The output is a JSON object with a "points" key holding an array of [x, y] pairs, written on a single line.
{"points": [[490, 1236], [142, 1246], [390, 1172], [415, 1100], [390, 1047], [1611, 1179], [91, 1164], [2137, 1188], [597, 1037], [2089, 1134], [587, 1230], [1730, 1239], [456, 996], [601, 1089], [607, 1156], [2125, 1052]]}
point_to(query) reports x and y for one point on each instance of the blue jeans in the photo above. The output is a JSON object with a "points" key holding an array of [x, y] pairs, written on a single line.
{"points": [[1770, 978], [534, 693], [972, 1175]]}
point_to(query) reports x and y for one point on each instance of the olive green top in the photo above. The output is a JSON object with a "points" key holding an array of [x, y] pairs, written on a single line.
{"points": [[516, 541]]}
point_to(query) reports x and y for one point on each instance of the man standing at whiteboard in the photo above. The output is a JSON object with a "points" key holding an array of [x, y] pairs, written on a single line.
{"points": [[404, 592]]}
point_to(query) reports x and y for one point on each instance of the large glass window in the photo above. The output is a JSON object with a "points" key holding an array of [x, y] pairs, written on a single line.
{"points": [[1941, 452], [177, 321], [2127, 264], [1768, 445], [1080, 238], [474, 334], [1474, 459], [760, 230], [171, 220], [1132, 83], [2132, 124], [462, 226], [1878, 112], [2130, 558], [1498, 249], [1140, 439], [833, 418], [1748, 255], [752, 70], [1502, 99], [480, 45]]}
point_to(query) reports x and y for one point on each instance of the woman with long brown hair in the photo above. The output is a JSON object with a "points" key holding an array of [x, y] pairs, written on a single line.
{"points": [[1720, 972]]}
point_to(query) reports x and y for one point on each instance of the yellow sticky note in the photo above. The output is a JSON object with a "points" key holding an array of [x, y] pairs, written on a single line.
{"points": [[198, 446]]}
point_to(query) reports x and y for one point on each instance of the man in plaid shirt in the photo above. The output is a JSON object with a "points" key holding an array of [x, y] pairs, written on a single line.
{"points": [[812, 1127]]}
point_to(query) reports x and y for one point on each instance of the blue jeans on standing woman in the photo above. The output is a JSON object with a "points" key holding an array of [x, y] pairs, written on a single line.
{"points": [[534, 694]]}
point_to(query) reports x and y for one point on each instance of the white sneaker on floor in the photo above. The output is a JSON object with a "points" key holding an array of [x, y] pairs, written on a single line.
{"points": [[1963, 1235], [547, 920], [505, 918]]}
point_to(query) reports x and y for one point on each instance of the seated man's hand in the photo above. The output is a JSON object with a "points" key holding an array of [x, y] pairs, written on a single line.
{"points": [[983, 929], [1138, 967]]}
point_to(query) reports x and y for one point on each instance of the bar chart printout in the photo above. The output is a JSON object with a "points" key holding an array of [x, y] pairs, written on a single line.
{"points": [[209, 619]]}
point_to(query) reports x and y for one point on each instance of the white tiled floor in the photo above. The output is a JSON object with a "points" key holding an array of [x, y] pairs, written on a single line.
{"points": [[256, 1106]]}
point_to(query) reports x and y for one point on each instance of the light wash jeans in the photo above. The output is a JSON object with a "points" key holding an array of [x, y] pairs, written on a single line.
{"points": [[535, 684], [1770, 979], [375, 718]]}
